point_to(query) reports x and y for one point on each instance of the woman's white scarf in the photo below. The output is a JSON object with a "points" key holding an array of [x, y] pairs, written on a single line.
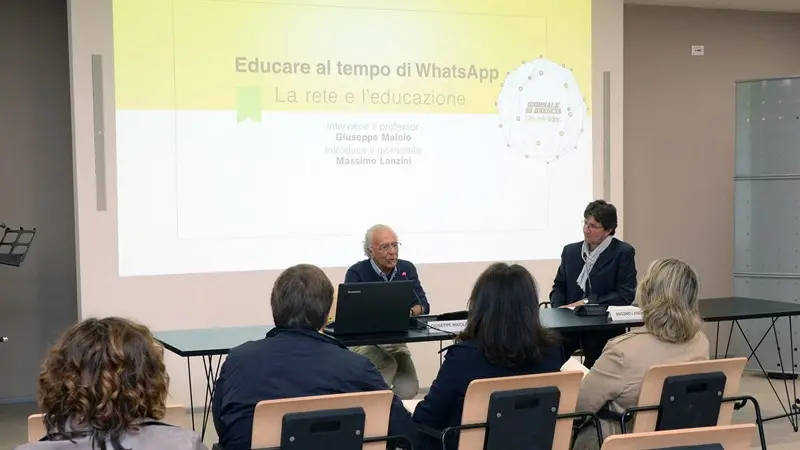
{"points": [[589, 258]]}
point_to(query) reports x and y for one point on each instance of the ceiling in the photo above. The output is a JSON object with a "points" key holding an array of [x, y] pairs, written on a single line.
{"points": [[756, 5]]}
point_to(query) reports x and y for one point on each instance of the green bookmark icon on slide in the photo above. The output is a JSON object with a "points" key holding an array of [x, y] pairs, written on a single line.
{"points": [[248, 104]]}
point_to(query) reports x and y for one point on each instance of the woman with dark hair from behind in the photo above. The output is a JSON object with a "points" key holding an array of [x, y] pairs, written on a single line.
{"points": [[104, 386], [503, 337]]}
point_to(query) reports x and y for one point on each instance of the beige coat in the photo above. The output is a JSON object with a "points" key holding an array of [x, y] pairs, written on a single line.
{"points": [[616, 377]]}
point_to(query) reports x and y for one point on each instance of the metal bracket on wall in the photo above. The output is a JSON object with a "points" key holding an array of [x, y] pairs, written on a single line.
{"points": [[607, 135], [99, 132], [782, 176], [791, 276]]}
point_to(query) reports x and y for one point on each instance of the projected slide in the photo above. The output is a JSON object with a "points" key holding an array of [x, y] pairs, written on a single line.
{"points": [[252, 135]]}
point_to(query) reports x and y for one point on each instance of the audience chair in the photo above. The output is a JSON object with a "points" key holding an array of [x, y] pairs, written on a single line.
{"points": [[730, 437], [342, 421], [175, 415], [690, 395], [510, 412]]}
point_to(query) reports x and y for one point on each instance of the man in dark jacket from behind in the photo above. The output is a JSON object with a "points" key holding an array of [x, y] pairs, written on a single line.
{"points": [[293, 360]]}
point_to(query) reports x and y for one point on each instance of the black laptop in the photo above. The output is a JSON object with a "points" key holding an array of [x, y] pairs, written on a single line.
{"points": [[373, 307]]}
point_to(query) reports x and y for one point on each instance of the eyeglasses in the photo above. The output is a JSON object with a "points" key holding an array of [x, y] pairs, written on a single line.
{"points": [[592, 225], [392, 245]]}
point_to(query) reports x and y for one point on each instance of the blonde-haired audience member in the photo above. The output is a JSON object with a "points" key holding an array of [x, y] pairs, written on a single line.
{"points": [[104, 386], [671, 334]]}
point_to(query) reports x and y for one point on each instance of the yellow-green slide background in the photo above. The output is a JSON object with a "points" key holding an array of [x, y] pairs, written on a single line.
{"points": [[180, 54]]}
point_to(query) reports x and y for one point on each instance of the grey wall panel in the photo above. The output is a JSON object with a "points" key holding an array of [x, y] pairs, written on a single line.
{"points": [[767, 228], [743, 219], [767, 212], [768, 128]]}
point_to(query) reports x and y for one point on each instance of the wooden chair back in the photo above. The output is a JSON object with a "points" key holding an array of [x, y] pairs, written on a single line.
{"points": [[268, 415], [730, 437], [653, 383], [476, 404]]}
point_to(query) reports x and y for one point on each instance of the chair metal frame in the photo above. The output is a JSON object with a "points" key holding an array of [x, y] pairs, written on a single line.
{"points": [[443, 435], [740, 402]]}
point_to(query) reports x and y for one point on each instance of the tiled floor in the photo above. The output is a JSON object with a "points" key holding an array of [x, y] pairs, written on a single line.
{"points": [[780, 436]]}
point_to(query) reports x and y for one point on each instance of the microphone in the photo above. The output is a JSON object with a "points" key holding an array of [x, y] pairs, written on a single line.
{"points": [[404, 275], [589, 283]]}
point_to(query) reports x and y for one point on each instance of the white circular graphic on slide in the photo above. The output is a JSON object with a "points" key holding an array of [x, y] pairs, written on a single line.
{"points": [[541, 110]]}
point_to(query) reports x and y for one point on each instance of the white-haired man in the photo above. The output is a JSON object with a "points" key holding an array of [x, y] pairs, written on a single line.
{"points": [[381, 248]]}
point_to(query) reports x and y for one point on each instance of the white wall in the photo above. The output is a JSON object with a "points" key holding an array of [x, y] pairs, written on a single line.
{"points": [[233, 299]]}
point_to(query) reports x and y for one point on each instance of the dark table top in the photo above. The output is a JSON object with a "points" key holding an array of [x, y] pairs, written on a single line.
{"points": [[563, 319], [742, 308], [219, 341]]}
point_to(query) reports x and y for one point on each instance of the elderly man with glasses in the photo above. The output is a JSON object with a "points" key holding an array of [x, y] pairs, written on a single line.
{"points": [[383, 264]]}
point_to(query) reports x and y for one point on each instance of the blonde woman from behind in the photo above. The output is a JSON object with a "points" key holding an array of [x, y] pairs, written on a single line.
{"points": [[104, 386], [672, 333]]}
